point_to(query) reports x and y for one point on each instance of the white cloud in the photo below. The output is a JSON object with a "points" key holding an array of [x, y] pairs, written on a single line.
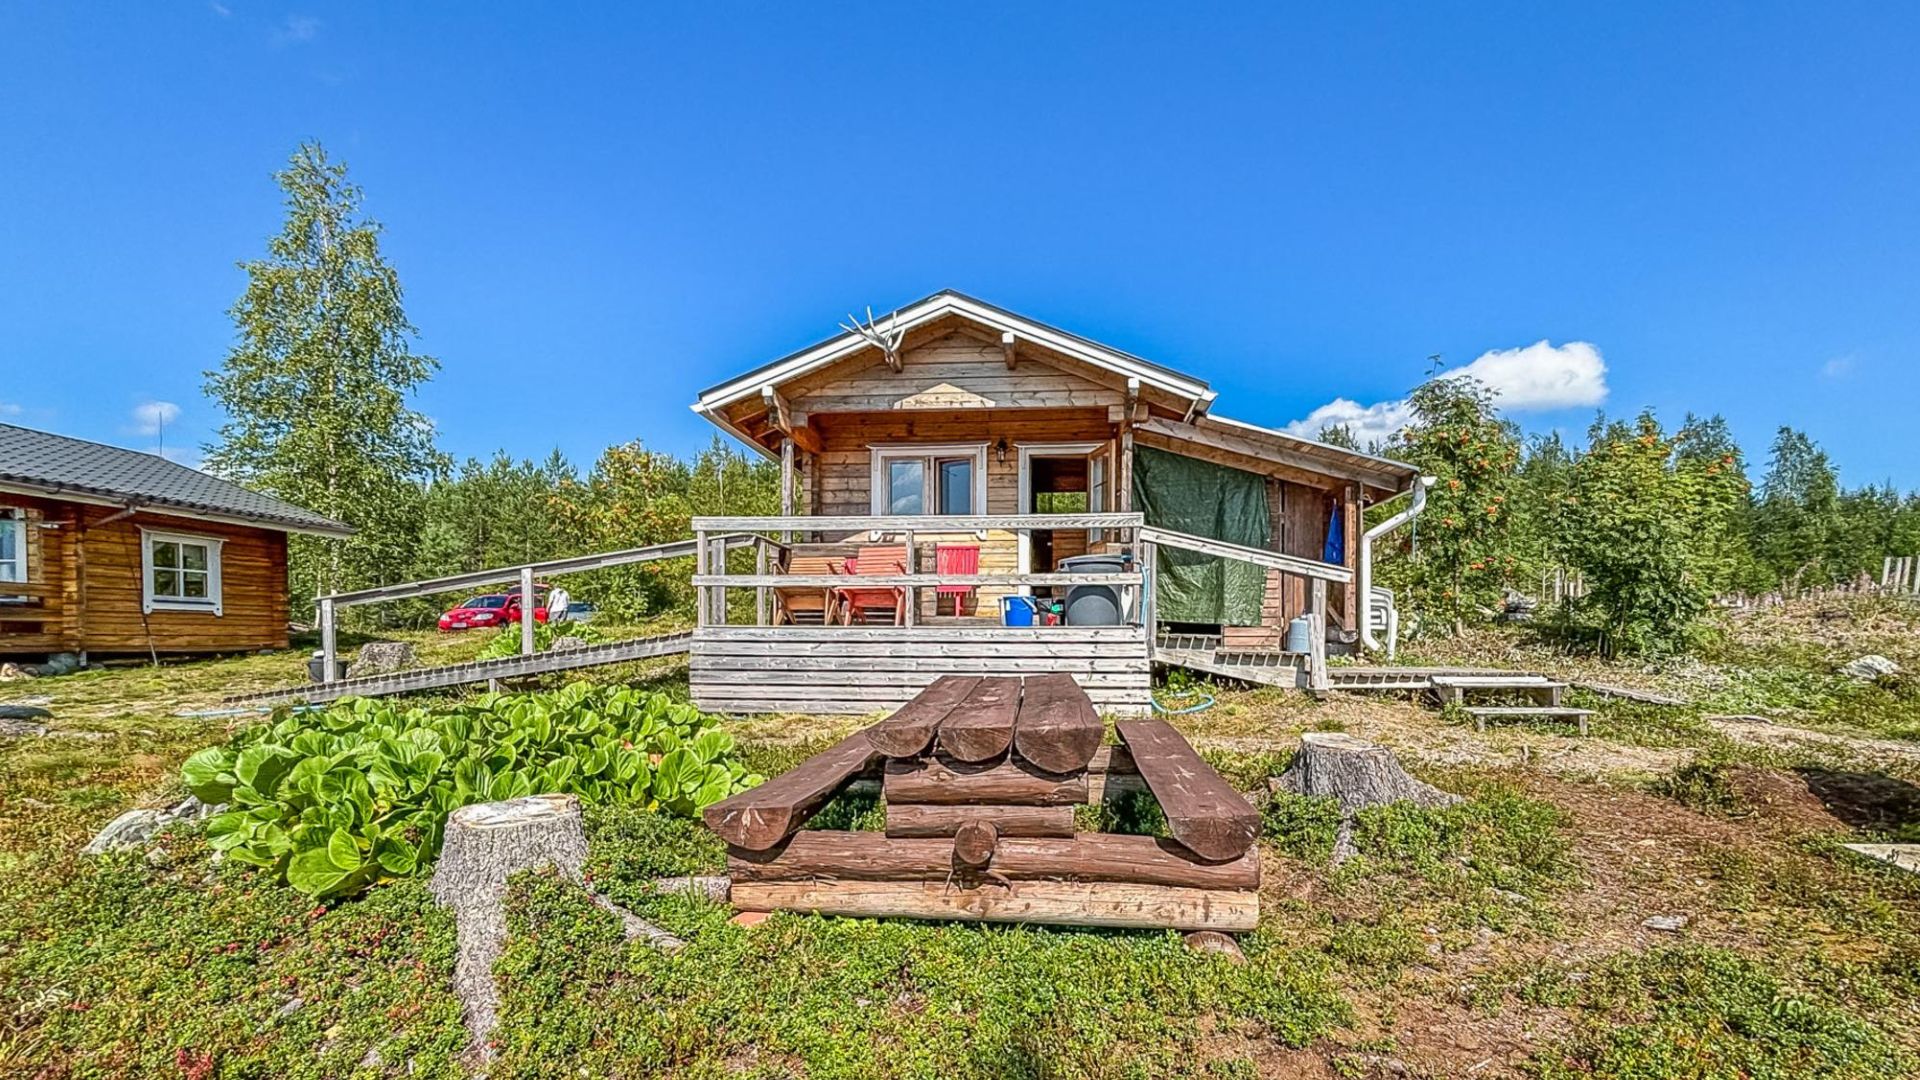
{"points": [[1543, 376], [151, 417], [1533, 378], [1369, 423], [220, 9], [1837, 368], [8, 408], [179, 455], [296, 29]]}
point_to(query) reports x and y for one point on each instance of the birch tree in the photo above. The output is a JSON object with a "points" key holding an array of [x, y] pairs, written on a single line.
{"points": [[317, 384]]}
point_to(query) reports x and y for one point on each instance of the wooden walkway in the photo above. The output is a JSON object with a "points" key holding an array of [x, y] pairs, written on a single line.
{"points": [[508, 667]]}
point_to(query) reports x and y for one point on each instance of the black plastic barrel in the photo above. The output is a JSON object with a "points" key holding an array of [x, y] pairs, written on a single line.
{"points": [[1094, 605]]}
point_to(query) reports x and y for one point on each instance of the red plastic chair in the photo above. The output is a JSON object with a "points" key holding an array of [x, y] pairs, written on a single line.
{"points": [[957, 559], [875, 559]]}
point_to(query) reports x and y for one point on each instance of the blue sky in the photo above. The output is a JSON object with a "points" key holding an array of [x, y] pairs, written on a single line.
{"points": [[598, 214]]}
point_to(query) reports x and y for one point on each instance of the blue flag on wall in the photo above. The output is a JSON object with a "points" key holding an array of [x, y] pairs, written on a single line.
{"points": [[1336, 549]]}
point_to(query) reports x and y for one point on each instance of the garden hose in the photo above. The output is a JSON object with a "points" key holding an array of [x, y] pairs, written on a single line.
{"points": [[1205, 703]]}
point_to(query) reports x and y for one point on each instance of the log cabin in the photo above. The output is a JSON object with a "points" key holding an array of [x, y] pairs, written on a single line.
{"points": [[943, 473], [108, 551]]}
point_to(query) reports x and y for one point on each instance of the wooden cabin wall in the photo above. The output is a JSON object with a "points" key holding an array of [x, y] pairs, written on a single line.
{"points": [[253, 590], [1298, 517], [843, 477], [50, 555], [956, 370], [96, 565]]}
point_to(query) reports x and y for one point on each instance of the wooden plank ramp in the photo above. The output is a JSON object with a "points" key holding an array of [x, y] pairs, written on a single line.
{"points": [[507, 667]]}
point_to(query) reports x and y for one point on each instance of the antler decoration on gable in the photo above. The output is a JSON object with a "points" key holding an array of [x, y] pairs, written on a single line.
{"points": [[886, 340]]}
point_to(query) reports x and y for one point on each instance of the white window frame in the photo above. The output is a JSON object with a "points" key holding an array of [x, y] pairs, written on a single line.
{"points": [[14, 520], [929, 454], [149, 602], [1029, 451]]}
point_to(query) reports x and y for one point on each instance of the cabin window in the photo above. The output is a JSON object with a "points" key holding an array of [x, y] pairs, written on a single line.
{"points": [[13, 546], [914, 480], [182, 573]]}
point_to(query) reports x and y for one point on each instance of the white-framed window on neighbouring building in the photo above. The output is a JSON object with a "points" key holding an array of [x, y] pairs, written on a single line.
{"points": [[944, 480], [13, 545], [180, 572]]}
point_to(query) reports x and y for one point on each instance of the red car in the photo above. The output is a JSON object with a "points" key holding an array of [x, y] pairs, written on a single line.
{"points": [[489, 610]]}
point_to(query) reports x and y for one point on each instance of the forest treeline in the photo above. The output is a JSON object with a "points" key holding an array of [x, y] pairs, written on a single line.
{"points": [[317, 388]]}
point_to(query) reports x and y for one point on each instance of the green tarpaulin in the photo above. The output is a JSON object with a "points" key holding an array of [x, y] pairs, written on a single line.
{"points": [[1193, 496]]}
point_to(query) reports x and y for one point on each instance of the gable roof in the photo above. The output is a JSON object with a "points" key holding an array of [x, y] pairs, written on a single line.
{"points": [[947, 303], [1200, 426], [43, 463]]}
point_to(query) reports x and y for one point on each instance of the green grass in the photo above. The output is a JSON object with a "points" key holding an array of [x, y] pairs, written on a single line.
{"points": [[1804, 960], [857, 998], [123, 968], [1707, 1013]]}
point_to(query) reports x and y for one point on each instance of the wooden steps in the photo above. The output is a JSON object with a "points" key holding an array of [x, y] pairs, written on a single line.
{"points": [[1207, 654], [1453, 689], [1483, 713]]}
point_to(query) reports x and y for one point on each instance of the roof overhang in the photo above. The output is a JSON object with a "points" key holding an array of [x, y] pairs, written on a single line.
{"points": [[98, 497], [943, 305], [1384, 475]]}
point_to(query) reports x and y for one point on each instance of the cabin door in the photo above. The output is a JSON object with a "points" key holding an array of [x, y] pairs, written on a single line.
{"points": [[1062, 478]]}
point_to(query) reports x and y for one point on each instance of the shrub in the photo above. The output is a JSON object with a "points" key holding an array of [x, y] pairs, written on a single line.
{"points": [[507, 642], [339, 799]]}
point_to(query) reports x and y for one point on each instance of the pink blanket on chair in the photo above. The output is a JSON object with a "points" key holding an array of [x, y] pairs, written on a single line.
{"points": [[956, 559]]}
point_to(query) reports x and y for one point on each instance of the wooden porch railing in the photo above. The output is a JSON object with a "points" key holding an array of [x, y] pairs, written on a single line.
{"points": [[1317, 573], [712, 580], [524, 575]]}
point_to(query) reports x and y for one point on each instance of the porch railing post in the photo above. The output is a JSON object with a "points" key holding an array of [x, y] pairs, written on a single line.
{"points": [[719, 562], [1148, 587], [699, 570], [329, 647], [1317, 644], [526, 611], [910, 597], [760, 569]]}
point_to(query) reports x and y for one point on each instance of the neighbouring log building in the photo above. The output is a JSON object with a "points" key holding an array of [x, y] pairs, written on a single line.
{"points": [[110, 551]]}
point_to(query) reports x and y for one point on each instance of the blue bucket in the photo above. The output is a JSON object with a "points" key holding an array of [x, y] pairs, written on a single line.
{"points": [[1016, 610]]}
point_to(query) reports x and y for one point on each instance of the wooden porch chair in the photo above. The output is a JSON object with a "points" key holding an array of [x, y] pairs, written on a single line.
{"points": [[957, 559], [875, 559], [793, 604]]}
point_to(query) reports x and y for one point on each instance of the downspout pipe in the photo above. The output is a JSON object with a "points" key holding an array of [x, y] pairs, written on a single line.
{"points": [[1365, 574]]}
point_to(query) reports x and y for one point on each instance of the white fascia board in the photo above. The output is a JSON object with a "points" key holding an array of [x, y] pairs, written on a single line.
{"points": [[1386, 464], [939, 307]]}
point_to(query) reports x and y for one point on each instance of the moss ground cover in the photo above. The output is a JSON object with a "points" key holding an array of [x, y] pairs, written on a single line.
{"points": [[1506, 930]]}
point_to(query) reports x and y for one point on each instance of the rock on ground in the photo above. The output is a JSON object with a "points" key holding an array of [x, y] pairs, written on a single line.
{"points": [[382, 658], [1869, 667], [136, 827]]}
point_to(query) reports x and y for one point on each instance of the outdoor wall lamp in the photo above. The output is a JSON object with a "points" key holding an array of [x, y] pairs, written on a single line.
{"points": [[1000, 450]]}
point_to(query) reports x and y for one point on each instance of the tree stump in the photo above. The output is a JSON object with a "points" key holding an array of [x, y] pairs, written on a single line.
{"points": [[1357, 774], [485, 845]]}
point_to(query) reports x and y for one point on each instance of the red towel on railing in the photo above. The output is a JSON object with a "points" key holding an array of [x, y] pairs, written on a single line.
{"points": [[956, 559]]}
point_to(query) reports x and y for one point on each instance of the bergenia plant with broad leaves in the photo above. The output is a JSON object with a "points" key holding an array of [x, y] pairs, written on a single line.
{"points": [[339, 799]]}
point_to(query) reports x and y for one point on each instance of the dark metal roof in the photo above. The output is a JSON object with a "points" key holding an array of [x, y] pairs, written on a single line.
{"points": [[57, 465]]}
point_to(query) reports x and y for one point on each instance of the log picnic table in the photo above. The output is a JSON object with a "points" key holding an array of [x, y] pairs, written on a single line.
{"points": [[981, 776]]}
